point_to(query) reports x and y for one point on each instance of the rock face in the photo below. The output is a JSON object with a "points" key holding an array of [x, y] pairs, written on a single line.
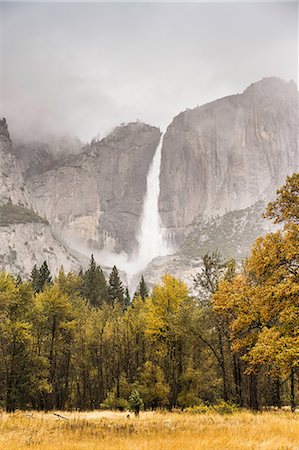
{"points": [[231, 234], [25, 238], [229, 154], [221, 163], [97, 196], [12, 186], [37, 157], [23, 245]]}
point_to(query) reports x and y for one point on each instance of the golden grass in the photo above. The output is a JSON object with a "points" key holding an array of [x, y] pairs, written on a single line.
{"points": [[152, 431]]}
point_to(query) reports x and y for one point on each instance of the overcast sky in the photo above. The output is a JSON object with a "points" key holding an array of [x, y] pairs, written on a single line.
{"points": [[83, 68]]}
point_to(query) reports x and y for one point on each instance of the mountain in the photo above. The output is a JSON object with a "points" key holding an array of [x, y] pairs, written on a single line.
{"points": [[221, 163], [97, 196], [12, 186], [228, 154], [39, 156], [25, 237]]}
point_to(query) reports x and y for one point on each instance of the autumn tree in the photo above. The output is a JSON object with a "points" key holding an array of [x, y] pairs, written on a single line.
{"points": [[21, 370], [262, 304], [56, 325], [167, 322], [152, 386], [285, 208], [214, 268]]}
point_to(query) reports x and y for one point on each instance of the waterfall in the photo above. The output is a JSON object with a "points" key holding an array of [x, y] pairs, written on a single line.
{"points": [[150, 238]]}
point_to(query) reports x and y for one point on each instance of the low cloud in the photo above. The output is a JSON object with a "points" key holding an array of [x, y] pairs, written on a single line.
{"points": [[82, 68]]}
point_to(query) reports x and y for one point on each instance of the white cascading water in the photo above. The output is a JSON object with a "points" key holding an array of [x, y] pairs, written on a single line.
{"points": [[151, 240]]}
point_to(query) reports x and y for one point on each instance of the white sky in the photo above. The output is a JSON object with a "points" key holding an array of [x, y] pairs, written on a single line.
{"points": [[82, 68]]}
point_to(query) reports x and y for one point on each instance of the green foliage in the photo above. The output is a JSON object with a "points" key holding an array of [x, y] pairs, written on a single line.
{"points": [[221, 408], [116, 289], [41, 277], [94, 285], [14, 214], [142, 289], [114, 403], [152, 386], [135, 402], [214, 269], [127, 298], [74, 342]]}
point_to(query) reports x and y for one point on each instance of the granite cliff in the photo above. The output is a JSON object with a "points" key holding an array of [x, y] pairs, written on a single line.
{"points": [[25, 237], [97, 196], [221, 162], [228, 154]]}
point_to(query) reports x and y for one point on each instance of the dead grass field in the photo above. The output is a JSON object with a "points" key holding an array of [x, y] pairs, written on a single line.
{"points": [[151, 431]]}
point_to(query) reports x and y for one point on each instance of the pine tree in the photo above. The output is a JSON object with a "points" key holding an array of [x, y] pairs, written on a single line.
{"points": [[94, 285], [142, 289], [127, 298], [116, 289], [34, 278], [44, 276], [40, 277]]}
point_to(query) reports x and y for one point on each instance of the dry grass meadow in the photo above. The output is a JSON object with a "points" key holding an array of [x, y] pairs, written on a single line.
{"points": [[151, 431]]}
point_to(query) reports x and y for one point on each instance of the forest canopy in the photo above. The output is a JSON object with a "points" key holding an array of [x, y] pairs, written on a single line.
{"points": [[80, 341]]}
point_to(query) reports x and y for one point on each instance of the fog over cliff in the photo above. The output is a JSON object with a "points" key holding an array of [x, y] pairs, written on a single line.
{"points": [[81, 69]]}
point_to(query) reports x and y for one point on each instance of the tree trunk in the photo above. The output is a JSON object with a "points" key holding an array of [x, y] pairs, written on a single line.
{"points": [[238, 380], [276, 399], [253, 399], [10, 401], [293, 403], [222, 363]]}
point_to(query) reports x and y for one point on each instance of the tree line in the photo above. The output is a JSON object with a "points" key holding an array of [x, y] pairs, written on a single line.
{"points": [[79, 341]]}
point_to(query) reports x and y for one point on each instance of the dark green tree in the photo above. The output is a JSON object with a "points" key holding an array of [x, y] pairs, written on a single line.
{"points": [[94, 285], [34, 278], [135, 402], [40, 277], [127, 298], [116, 289], [142, 289], [44, 276]]}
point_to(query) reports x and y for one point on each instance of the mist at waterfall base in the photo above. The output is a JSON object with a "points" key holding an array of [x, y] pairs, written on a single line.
{"points": [[151, 239]]}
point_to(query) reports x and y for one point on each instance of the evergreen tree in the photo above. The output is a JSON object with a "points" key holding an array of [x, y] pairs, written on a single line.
{"points": [[127, 298], [44, 276], [116, 289], [34, 278], [135, 402], [40, 277], [142, 289], [94, 286]]}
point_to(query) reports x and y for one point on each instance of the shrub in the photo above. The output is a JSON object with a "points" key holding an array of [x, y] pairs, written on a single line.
{"points": [[112, 402], [221, 407], [135, 402], [15, 214]]}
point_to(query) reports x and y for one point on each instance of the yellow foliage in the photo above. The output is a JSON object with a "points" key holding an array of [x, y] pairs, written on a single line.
{"points": [[164, 305]]}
